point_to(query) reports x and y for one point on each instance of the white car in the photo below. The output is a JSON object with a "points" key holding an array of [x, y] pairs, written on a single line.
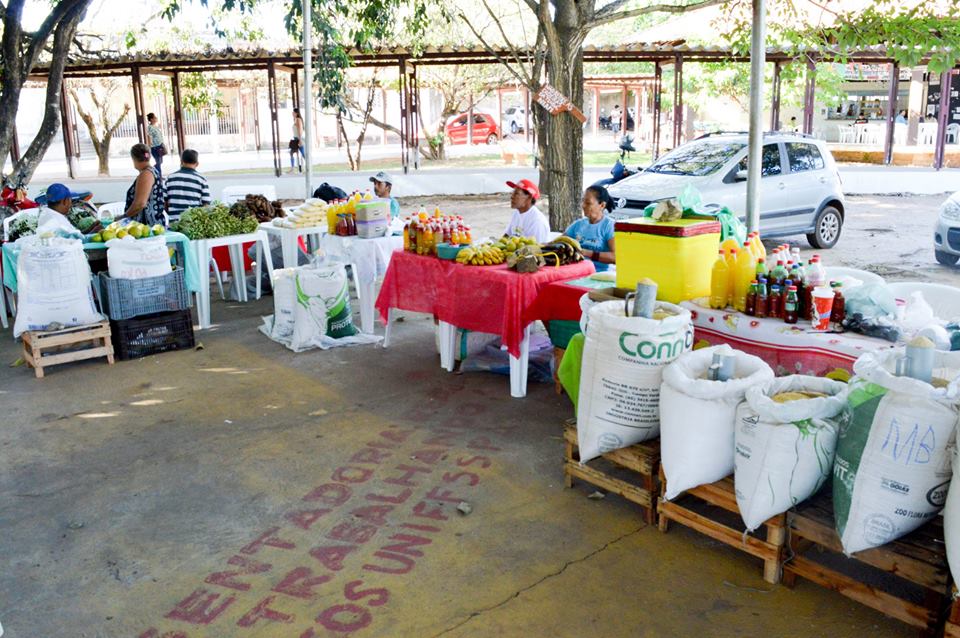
{"points": [[800, 191], [515, 119]]}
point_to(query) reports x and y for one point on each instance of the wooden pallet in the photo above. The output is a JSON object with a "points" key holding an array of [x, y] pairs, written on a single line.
{"points": [[951, 628], [722, 495], [919, 558], [643, 459], [45, 348]]}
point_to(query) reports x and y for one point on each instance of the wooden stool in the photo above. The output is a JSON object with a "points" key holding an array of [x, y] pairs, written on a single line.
{"points": [[44, 348], [919, 558], [721, 494], [643, 459]]}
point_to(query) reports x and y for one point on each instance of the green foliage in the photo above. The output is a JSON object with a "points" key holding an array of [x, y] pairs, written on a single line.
{"points": [[215, 220]]}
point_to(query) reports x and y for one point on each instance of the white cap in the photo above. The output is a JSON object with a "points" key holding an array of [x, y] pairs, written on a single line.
{"points": [[382, 176]]}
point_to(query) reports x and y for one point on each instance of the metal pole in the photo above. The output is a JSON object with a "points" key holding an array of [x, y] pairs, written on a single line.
{"points": [[942, 119], [891, 113], [758, 57], [308, 97]]}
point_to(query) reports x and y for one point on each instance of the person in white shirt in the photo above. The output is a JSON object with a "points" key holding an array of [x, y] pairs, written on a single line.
{"points": [[526, 219]]}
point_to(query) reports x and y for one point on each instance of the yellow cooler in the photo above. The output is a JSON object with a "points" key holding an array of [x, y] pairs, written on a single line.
{"points": [[678, 255]]}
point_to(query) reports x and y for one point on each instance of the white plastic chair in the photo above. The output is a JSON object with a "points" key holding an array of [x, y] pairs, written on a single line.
{"points": [[112, 209], [232, 194], [9, 220], [953, 132], [848, 135], [836, 273], [945, 300]]}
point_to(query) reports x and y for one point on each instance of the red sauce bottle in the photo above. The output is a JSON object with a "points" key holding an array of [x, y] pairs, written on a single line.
{"points": [[751, 309], [775, 302], [839, 311]]}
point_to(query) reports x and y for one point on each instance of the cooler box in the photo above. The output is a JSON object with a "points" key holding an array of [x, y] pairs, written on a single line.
{"points": [[678, 255], [371, 229], [373, 210]]}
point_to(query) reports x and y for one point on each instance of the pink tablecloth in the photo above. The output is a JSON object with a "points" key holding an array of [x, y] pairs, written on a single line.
{"points": [[787, 348], [490, 299]]}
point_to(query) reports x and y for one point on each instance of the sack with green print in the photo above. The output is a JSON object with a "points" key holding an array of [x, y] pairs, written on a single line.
{"points": [[784, 450], [892, 467]]}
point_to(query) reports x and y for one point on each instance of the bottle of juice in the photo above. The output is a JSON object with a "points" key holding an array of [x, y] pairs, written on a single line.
{"points": [[731, 257], [778, 274], [469, 235], [774, 308], [790, 312], [762, 298], [413, 235], [720, 282], [436, 213], [332, 219], [758, 244], [422, 214], [746, 271], [762, 268], [784, 291], [752, 299], [367, 196]]}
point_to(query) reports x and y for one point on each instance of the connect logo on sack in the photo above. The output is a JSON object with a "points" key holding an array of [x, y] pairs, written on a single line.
{"points": [[665, 350]]}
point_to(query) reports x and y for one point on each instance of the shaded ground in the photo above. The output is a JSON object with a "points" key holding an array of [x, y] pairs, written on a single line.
{"points": [[189, 495]]}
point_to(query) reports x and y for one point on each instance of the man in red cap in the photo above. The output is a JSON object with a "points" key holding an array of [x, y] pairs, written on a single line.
{"points": [[526, 219]]}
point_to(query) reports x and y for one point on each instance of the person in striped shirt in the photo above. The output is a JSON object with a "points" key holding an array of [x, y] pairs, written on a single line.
{"points": [[186, 188]]}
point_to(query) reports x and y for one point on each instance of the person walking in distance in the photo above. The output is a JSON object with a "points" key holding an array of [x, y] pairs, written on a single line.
{"points": [[157, 148]]}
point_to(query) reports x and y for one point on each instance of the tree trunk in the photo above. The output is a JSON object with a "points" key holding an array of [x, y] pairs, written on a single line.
{"points": [[561, 137]]}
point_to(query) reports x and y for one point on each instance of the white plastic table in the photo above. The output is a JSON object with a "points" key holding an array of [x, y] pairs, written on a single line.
{"points": [[369, 259], [201, 249], [288, 239]]}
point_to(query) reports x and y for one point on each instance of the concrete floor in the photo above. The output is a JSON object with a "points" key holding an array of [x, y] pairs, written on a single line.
{"points": [[189, 495]]}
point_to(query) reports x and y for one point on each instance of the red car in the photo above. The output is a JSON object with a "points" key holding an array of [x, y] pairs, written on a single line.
{"points": [[485, 129]]}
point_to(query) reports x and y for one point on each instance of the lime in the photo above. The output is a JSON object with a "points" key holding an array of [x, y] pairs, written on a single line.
{"points": [[97, 239], [158, 229]]}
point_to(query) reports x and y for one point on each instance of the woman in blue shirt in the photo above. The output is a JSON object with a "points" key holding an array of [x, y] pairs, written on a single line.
{"points": [[594, 230]]}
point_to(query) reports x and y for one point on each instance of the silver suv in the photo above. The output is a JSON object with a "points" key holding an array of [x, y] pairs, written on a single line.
{"points": [[800, 191]]}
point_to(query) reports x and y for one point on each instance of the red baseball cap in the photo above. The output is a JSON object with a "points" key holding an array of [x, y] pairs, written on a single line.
{"points": [[526, 186]]}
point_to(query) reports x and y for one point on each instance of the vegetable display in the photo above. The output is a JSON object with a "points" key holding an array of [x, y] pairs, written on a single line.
{"points": [[23, 226], [215, 220], [258, 206]]}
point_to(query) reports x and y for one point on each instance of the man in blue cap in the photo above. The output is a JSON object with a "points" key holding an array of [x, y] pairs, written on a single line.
{"points": [[60, 200]]}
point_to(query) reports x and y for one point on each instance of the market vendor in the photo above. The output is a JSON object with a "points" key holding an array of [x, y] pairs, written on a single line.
{"points": [[594, 230], [526, 219], [146, 197], [59, 202], [382, 188]]}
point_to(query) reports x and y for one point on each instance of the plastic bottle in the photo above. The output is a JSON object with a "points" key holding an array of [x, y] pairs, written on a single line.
{"points": [[436, 213], [760, 248], [762, 268], [795, 254], [746, 271], [839, 310], [773, 302], [752, 299], [784, 291], [762, 299], [790, 313], [427, 240], [731, 257], [469, 235], [814, 277], [414, 230], [422, 214], [406, 234], [720, 282], [367, 196], [332, 219]]}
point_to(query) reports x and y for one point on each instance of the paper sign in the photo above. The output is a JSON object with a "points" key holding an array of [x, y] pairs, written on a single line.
{"points": [[556, 102]]}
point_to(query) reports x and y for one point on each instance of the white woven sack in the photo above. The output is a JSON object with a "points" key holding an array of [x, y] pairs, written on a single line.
{"points": [[697, 416], [784, 451], [130, 258], [623, 360]]}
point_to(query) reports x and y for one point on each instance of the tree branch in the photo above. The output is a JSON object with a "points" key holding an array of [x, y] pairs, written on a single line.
{"points": [[496, 20], [610, 13], [39, 38], [520, 75]]}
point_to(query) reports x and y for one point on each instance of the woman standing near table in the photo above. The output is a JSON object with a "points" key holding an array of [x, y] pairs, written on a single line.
{"points": [[594, 230], [146, 196]]}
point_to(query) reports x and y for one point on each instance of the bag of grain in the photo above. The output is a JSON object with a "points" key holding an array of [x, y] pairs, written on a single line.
{"points": [[284, 303], [893, 463], [623, 360], [697, 416], [951, 519], [130, 258], [53, 284], [786, 436]]}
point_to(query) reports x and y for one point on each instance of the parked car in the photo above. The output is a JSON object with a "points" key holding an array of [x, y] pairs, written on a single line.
{"points": [[800, 190], [485, 129], [515, 119], [946, 237]]}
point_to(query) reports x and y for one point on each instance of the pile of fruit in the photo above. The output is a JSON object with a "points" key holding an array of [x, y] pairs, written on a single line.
{"points": [[482, 255], [561, 251], [511, 244], [133, 229], [215, 220]]}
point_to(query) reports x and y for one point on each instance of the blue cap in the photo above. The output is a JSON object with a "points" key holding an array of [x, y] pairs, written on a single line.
{"points": [[58, 192]]}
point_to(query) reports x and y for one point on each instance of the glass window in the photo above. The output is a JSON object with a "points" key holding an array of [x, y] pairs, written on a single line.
{"points": [[771, 161], [803, 157], [698, 158], [479, 119]]}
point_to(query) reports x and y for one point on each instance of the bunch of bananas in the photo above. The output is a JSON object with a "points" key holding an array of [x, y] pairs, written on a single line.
{"points": [[483, 255], [510, 244]]}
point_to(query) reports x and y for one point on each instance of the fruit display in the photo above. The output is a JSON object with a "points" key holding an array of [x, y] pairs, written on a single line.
{"points": [[215, 220], [482, 255], [511, 244], [135, 230], [561, 251]]}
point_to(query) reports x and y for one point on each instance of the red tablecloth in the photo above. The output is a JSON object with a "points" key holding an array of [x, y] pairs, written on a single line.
{"points": [[490, 299]]}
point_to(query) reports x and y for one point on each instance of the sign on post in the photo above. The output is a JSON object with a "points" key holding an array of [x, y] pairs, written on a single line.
{"points": [[556, 102]]}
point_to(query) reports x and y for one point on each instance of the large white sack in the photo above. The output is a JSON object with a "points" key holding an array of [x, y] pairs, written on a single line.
{"points": [[784, 451], [623, 359], [893, 463], [697, 416], [130, 258], [951, 519], [284, 303], [53, 285]]}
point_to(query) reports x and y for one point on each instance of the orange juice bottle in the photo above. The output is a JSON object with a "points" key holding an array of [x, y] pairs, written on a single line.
{"points": [[367, 196], [427, 238], [759, 249], [719, 282], [332, 219], [406, 234], [468, 237], [436, 213], [745, 271], [730, 255]]}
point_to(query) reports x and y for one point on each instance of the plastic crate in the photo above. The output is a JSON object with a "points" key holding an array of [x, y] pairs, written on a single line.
{"points": [[127, 298], [152, 334]]}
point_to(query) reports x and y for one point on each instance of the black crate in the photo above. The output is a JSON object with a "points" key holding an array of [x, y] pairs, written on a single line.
{"points": [[152, 334]]}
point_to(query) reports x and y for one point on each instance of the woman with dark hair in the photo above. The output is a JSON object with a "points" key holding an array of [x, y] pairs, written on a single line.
{"points": [[146, 196], [594, 230], [296, 141], [157, 148]]}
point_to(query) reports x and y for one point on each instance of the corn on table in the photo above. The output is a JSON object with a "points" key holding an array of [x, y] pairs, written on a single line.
{"points": [[491, 299]]}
